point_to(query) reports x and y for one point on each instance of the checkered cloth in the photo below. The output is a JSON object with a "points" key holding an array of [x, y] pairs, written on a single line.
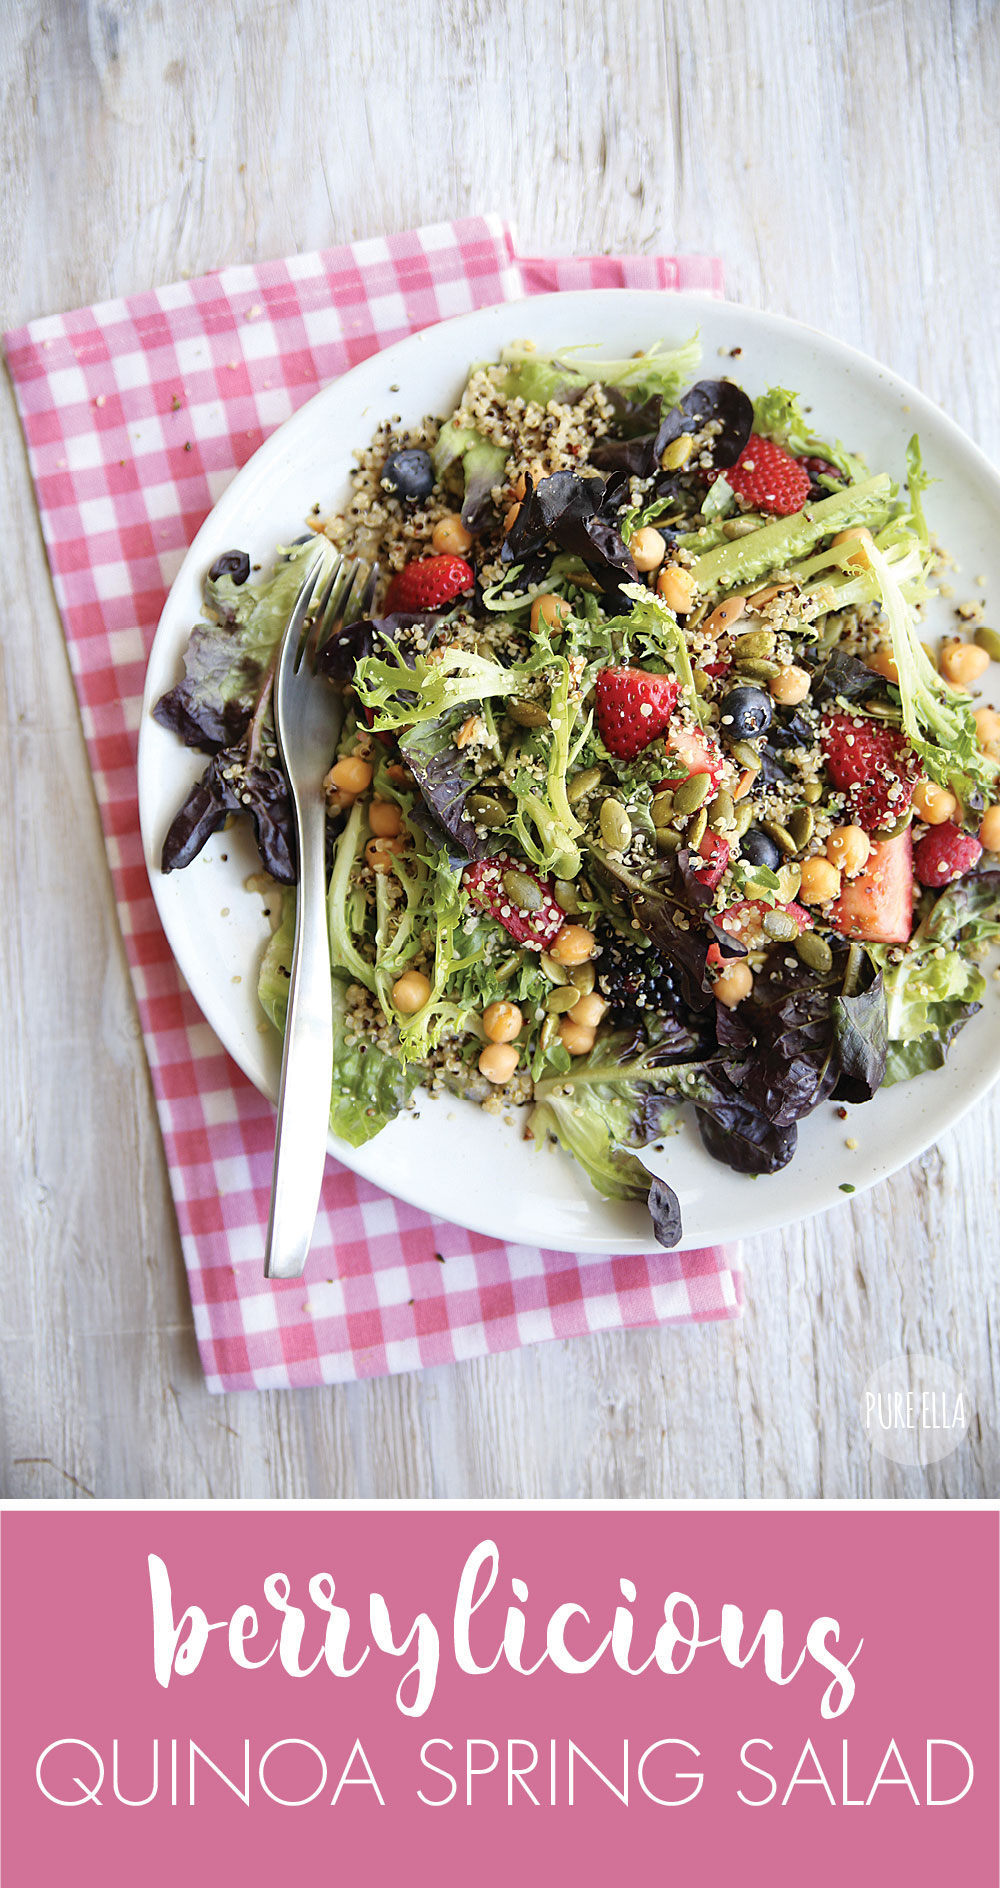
{"points": [[137, 413]]}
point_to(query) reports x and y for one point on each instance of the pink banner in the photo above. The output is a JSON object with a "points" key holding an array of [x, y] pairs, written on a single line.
{"points": [[654, 1696]]}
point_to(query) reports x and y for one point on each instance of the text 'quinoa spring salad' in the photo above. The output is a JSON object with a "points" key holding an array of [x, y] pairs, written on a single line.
{"points": [[648, 790]]}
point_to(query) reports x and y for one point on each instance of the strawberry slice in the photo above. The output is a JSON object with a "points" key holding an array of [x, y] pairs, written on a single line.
{"points": [[632, 708], [696, 752], [428, 584], [744, 923], [500, 885], [877, 906], [716, 853], [873, 765]]}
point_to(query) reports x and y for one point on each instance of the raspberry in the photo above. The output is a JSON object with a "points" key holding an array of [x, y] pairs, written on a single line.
{"points": [[874, 766], [943, 854], [632, 708], [500, 886], [428, 584], [767, 478]]}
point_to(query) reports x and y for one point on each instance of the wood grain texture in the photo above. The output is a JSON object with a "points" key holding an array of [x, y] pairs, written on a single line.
{"points": [[840, 156]]}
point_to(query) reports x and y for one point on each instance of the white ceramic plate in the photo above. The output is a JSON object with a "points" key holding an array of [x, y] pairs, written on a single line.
{"points": [[451, 1158]]}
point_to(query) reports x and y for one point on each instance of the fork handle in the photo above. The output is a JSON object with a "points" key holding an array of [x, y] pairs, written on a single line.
{"points": [[306, 1063]]}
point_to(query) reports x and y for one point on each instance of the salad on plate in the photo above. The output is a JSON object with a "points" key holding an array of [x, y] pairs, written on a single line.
{"points": [[650, 795]]}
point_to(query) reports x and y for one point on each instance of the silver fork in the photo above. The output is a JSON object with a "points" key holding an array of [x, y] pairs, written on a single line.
{"points": [[308, 714]]}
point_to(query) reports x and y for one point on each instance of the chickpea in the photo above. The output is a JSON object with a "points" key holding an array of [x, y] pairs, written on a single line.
{"points": [[989, 831], [963, 663], [574, 1037], [385, 818], [987, 726], [933, 803], [379, 853], [848, 848], [352, 774], [574, 945], [589, 1011], [648, 548], [883, 663], [550, 609], [676, 586], [790, 685], [820, 881], [859, 533], [498, 1062], [502, 1021], [724, 616], [510, 518], [450, 534], [734, 983], [339, 802], [410, 992]]}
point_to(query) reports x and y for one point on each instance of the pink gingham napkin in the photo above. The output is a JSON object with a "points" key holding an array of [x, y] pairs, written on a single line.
{"points": [[136, 414]]}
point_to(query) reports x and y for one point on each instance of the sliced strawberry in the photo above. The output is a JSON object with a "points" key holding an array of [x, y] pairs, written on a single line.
{"points": [[632, 708], [873, 765], [767, 477], [489, 883], [744, 923], [428, 584], [695, 752], [716, 853], [945, 853], [877, 906]]}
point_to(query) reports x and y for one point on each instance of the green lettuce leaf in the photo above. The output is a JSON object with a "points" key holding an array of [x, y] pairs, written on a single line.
{"points": [[543, 377], [370, 1087], [778, 415]]}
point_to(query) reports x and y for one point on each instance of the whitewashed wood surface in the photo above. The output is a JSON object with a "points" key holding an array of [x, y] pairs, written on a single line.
{"points": [[841, 156]]}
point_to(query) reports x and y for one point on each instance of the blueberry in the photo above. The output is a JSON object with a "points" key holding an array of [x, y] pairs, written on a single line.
{"points": [[234, 564], [408, 474], [746, 712], [758, 849]]}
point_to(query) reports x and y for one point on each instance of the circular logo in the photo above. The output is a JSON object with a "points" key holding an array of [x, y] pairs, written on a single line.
{"points": [[916, 1410]]}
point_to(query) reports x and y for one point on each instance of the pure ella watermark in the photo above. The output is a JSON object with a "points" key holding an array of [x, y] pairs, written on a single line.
{"points": [[916, 1410]]}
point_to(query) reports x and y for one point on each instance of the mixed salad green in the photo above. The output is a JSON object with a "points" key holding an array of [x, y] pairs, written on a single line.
{"points": [[649, 792]]}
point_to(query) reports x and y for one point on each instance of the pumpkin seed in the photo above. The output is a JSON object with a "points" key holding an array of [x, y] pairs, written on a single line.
{"points": [[553, 968], [567, 896], [583, 977], [616, 827], [527, 714], [741, 527], [667, 840], [780, 926], [747, 755], [487, 810], [801, 825], [743, 817], [522, 891], [893, 832], [548, 1032], [812, 792], [780, 834], [988, 640], [757, 670], [701, 679], [662, 808], [754, 642], [691, 793], [677, 453], [697, 829], [789, 883], [814, 951], [721, 811], [582, 784], [560, 1002]]}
